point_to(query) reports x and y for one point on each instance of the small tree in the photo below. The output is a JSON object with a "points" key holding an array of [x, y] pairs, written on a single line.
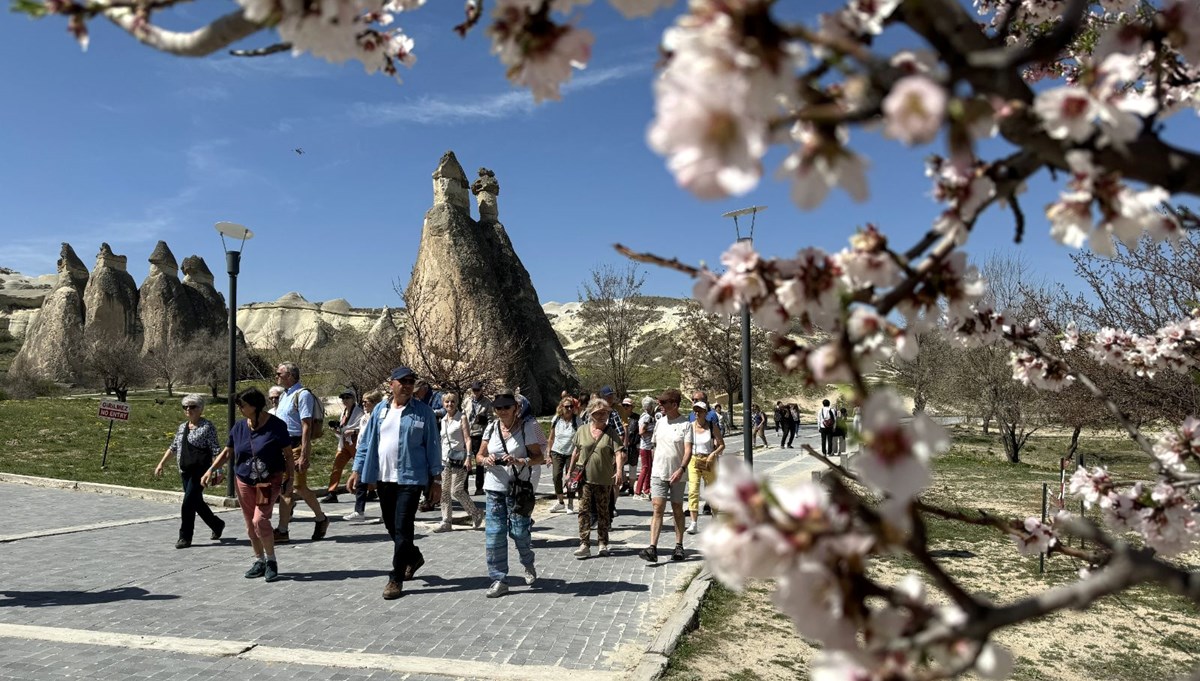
{"points": [[206, 361], [113, 362], [708, 350], [924, 374], [166, 363], [614, 314], [360, 360]]}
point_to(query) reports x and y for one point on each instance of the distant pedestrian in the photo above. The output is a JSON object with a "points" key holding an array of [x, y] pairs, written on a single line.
{"points": [[364, 493], [707, 446], [262, 460], [631, 445], [787, 425], [672, 452], [599, 451], [298, 408], [778, 414], [562, 429], [645, 449], [273, 396], [510, 450], [839, 432], [425, 393], [399, 451], [759, 420], [478, 410], [455, 465], [722, 418], [826, 421], [194, 446], [346, 428]]}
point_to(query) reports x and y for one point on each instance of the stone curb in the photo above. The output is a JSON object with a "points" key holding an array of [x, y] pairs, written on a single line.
{"points": [[685, 618], [115, 490]]}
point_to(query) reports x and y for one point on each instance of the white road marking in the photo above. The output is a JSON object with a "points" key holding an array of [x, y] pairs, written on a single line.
{"points": [[85, 528]]}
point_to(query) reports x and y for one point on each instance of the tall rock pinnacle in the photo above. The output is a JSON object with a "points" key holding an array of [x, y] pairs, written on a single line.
{"points": [[450, 183], [486, 189]]}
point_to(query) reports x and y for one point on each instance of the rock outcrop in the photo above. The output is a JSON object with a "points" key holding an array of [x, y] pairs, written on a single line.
{"points": [[164, 311], [468, 273], [53, 347], [209, 314], [111, 298], [291, 322]]}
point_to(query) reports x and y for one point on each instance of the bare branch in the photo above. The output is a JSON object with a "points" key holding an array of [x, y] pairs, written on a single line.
{"points": [[650, 258], [222, 32]]}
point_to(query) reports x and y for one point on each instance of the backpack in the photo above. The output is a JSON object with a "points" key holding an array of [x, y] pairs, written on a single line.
{"points": [[318, 418]]}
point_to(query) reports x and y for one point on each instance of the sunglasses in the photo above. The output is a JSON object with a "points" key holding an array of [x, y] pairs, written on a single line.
{"points": [[407, 381], [189, 407], [505, 408]]}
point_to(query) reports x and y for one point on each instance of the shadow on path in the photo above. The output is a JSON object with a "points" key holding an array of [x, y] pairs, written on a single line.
{"points": [[42, 599], [330, 575]]}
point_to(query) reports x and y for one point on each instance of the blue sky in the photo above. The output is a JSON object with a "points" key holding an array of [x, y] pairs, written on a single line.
{"points": [[126, 145]]}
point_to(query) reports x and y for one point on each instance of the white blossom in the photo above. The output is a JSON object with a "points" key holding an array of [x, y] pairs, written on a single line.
{"points": [[913, 111], [895, 455]]}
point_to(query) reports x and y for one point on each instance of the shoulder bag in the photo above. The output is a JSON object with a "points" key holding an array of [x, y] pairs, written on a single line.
{"points": [[520, 490]]}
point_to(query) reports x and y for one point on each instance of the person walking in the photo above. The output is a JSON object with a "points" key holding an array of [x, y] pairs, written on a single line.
{"points": [[839, 432], [510, 450], [455, 466], [425, 393], [399, 451], [759, 419], [707, 446], [672, 451], [298, 407], [261, 448], [563, 426], [478, 409], [787, 425], [363, 494], [194, 446], [641, 487], [346, 428], [826, 421], [599, 451], [794, 410]]}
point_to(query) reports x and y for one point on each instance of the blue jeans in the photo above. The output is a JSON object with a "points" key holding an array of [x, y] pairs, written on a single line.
{"points": [[500, 520], [398, 505]]}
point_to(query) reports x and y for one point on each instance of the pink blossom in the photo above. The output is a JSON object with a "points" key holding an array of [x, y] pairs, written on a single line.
{"points": [[1090, 485], [1039, 539], [821, 164], [812, 597], [1067, 112], [895, 456], [811, 290], [538, 55], [914, 109], [1040, 372], [866, 17], [1070, 337], [866, 262]]}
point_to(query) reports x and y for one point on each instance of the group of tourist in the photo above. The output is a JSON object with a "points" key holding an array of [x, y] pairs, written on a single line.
{"points": [[398, 441]]}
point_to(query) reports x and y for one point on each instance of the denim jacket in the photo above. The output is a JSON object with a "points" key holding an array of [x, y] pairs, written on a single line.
{"points": [[420, 456]]}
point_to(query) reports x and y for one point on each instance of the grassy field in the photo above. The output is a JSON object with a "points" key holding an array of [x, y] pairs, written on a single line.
{"points": [[1141, 634], [61, 437]]}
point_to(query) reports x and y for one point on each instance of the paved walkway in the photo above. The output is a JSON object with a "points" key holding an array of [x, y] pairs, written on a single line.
{"points": [[92, 587]]}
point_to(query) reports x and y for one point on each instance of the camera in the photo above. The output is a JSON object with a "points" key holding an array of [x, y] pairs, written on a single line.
{"points": [[332, 424]]}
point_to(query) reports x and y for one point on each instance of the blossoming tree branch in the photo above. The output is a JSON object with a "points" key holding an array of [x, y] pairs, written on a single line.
{"points": [[736, 81]]}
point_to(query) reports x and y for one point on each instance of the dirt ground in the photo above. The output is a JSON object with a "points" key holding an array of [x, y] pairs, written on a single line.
{"points": [[1142, 634]]}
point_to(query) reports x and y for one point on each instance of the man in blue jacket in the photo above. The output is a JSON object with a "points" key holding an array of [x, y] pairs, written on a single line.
{"points": [[399, 451]]}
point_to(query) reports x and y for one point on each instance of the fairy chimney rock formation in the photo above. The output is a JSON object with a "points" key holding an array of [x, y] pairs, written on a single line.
{"points": [[486, 189], [207, 305], [54, 341], [163, 306], [471, 278], [110, 298], [450, 183]]}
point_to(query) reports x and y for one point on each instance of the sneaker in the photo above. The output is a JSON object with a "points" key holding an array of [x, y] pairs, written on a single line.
{"points": [[497, 589], [321, 528], [393, 590], [330, 498], [442, 527], [571, 509], [216, 534], [413, 567], [257, 570], [691, 528], [272, 572], [558, 508], [530, 575], [354, 516], [677, 554], [649, 554], [603, 550], [584, 551], [707, 510], [281, 537], [183, 543], [479, 521]]}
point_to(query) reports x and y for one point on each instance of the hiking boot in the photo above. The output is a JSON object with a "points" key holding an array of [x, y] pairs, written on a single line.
{"points": [[603, 550], [321, 528], [281, 537], [584, 551], [216, 534], [442, 527], [393, 590], [413, 567], [497, 589], [558, 508], [183, 543], [530, 575], [649, 554], [258, 569], [272, 572], [677, 554]]}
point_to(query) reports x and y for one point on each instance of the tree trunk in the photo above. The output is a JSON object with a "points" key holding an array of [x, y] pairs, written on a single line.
{"points": [[1012, 447], [987, 422], [122, 393], [919, 400], [170, 389]]}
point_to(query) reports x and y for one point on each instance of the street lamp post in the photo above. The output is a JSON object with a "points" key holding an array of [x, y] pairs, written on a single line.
{"points": [[233, 262], [747, 389]]}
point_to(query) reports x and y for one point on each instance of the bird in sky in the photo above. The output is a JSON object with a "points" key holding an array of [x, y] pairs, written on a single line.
{"points": [[299, 151]]}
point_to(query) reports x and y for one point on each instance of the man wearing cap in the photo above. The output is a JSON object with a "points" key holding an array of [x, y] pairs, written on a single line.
{"points": [[478, 409], [673, 439], [346, 428], [297, 407], [399, 452]]}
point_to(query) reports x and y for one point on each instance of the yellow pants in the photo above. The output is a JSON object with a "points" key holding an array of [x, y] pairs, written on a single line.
{"points": [[694, 477]]}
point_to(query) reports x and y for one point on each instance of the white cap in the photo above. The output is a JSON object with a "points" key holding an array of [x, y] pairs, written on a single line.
{"points": [[700, 404]]}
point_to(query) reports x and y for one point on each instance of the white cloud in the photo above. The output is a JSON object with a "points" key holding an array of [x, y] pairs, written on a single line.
{"points": [[444, 111]]}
